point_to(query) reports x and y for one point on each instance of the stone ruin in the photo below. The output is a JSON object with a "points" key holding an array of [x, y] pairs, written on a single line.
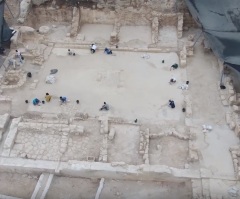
{"points": [[79, 145]]}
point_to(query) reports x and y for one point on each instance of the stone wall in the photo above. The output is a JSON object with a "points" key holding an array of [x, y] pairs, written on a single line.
{"points": [[128, 16], [42, 15], [188, 21]]}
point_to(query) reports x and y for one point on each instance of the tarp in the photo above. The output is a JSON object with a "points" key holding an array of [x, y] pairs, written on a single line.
{"points": [[220, 22], [5, 31]]}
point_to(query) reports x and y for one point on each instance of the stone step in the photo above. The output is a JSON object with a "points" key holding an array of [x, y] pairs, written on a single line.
{"points": [[42, 186]]}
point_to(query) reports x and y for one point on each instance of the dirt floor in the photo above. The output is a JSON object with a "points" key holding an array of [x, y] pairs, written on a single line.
{"points": [[124, 147], [114, 79], [143, 189], [204, 75], [17, 185], [72, 188], [161, 149]]}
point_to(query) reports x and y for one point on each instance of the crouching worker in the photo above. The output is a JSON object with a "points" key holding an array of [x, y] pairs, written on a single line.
{"points": [[36, 102], [105, 107], [171, 104], [63, 100], [48, 97], [70, 52], [174, 66], [107, 51], [172, 80], [93, 48]]}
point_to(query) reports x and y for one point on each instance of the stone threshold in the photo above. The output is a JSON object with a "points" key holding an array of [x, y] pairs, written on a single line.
{"points": [[114, 170]]}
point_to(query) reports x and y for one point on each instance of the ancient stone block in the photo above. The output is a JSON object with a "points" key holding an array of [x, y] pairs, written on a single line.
{"points": [[24, 10], [75, 22], [44, 30], [232, 100], [4, 120], [228, 118], [111, 134], [232, 125], [155, 30], [12, 134], [236, 108]]}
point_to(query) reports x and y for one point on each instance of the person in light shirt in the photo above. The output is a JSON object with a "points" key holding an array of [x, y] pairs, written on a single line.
{"points": [[184, 86], [19, 55], [93, 48]]}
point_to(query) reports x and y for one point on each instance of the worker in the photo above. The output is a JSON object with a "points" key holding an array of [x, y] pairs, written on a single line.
{"points": [[105, 107]]}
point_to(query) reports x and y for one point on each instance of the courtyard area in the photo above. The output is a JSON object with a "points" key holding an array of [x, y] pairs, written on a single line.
{"points": [[134, 87]]}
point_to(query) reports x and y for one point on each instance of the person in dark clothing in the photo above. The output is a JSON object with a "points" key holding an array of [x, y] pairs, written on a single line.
{"points": [[174, 66], [105, 107], [171, 104], [36, 101], [107, 51]]}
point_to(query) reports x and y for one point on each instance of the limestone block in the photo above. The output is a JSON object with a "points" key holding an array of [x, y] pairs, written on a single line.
{"points": [[116, 164], [205, 188], [114, 37], [146, 161], [44, 30], [234, 156], [8, 144], [223, 97], [225, 102], [104, 158], [236, 108], [193, 155], [27, 31], [232, 100], [75, 22], [24, 9], [155, 30], [196, 189], [4, 120], [237, 130], [76, 129], [228, 118], [111, 134], [234, 148], [231, 92]]}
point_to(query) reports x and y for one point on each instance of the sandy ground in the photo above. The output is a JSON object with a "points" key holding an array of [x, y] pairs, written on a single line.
{"points": [[125, 150], [89, 31], [143, 189], [140, 38], [168, 36], [17, 185], [72, 188], [203, 75], [133, 87], [169, 147], [80, 147]]}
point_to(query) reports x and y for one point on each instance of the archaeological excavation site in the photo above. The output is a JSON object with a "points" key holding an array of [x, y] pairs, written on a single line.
{"points": [[123, 99]]}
